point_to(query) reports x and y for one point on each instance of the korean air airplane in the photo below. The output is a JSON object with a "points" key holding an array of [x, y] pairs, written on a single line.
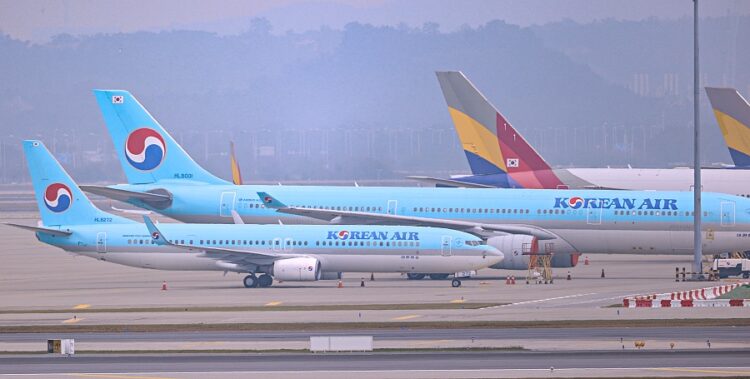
{"points": [[499, 156], [518, 222], [285, 252]]}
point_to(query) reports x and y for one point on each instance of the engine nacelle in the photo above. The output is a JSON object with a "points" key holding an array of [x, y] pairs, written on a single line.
{"points": [[297, 269], [514, 247]]}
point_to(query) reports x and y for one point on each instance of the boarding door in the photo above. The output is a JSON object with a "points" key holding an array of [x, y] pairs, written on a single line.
{"points": [[445, 246], [226, 205], [727, 213], [392, 205], [101, 242], [593, 215]]}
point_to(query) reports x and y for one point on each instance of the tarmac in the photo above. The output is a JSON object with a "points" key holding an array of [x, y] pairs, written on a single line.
{"points": [[42, 286]]}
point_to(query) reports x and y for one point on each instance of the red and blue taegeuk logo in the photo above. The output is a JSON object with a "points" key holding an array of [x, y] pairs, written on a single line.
{"points": [[145, 149], [58, 197]]}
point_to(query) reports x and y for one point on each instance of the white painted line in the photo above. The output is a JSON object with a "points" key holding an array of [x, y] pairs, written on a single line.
{"points": [[541, 300]]}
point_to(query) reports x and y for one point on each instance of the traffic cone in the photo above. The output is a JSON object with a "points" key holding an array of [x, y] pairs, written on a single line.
{"points": [[341, 284], [602, 273], [507, 280], [372, 276], [586, 261], [164, 285], [362, 283], [568, 275], [513, 279]]}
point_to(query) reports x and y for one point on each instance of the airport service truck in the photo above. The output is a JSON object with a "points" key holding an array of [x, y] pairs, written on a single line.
{"points": [[732, 267]]}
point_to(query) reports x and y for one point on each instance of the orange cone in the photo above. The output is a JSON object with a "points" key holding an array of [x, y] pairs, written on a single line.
{"points": [[164, 285], [513, 279], [507, 280], [586, 261], [341, 284]]}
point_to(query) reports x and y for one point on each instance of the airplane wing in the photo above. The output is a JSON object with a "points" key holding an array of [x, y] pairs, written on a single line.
{"points": [[353, 217], [447, 182], [54, 232], [244, 258], [125, 195]]}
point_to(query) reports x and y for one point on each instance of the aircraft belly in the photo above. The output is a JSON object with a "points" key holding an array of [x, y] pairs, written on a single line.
{"points": [[406, 262], [180, 261]]}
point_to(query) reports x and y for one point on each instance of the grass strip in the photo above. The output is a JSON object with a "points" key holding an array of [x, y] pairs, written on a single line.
{"points": [[393, 325]]}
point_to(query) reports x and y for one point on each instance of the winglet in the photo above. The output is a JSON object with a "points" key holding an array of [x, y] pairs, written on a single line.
{"points": [[270, 201], [154, 231]]}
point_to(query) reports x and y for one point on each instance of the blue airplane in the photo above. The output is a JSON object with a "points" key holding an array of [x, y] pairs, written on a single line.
{"points": [[284, 252], [519, 222]]}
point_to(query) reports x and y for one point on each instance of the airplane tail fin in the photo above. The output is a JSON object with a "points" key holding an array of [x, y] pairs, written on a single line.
{"points": [[59, 199], [236, 173], [146, 151], [491, 144], [732, 113]]}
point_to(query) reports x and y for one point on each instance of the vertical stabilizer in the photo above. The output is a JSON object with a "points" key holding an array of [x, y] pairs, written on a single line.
{"points": [[732, 113], [491, 144], [147, 153], [60, 200]]}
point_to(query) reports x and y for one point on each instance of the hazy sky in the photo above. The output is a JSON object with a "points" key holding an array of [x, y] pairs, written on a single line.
{"points": [[38, 20]]}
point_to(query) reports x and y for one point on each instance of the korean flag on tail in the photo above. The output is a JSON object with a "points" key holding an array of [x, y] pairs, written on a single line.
{"points": [[512, 162], [118, 99]]}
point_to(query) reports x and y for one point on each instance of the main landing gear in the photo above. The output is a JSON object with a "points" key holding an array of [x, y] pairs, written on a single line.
{"points": [[456, 283], [252, 281]]}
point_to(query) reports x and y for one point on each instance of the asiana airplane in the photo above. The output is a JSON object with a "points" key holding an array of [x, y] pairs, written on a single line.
{"points": [[499, 156]]}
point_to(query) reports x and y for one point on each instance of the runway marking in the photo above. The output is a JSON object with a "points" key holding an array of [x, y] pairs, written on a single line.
{"points": [[457, 301], [407, 317], [702, 371], [122, 376], [541, 300], [82, 306], [72, 320], [273, 303]]}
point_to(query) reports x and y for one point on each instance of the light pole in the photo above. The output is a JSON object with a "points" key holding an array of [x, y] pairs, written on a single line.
{"points": [[697, 240]]}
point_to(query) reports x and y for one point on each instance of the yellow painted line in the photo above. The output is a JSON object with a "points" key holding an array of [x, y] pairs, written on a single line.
{"points": [[115, 376], [274, 303], [407, 317], [72, 320], [82, 306], [457, 301], [702, 371]]}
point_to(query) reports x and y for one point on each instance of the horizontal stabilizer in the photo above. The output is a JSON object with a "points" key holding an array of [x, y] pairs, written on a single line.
{"points": [[126, 196], [447, 182], [40, 229]]}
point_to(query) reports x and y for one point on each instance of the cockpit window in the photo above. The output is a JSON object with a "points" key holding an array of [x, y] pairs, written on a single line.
{"points": [[474, 243]]}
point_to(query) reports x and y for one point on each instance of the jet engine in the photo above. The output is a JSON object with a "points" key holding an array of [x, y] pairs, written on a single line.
{"points": [[514, 246], [297, 269]]}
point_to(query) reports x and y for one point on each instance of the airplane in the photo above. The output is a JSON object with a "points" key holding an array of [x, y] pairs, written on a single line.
{"points": [[499, 156], [520, 223], [284, 252]]}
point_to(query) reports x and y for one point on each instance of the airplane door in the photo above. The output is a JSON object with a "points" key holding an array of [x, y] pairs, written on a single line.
{"points": [[392, 205], [727, 213], [287, 244], [226, 205], [594, 216], [277, 244], [101, 242], [445, 246]]}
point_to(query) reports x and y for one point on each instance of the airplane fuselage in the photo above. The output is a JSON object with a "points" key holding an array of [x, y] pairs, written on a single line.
{"points": [[338, 248], [618, 222]]}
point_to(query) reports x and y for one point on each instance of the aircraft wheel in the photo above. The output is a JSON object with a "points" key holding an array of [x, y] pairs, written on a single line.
{"points": [[456, 283], [413, 276], [250, 281], [265, 280], [438, 276]]}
